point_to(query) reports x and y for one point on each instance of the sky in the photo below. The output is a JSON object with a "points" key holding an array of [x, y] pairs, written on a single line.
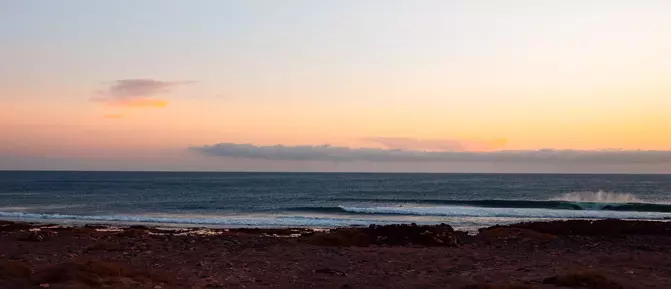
{"points": [[571, 86]]}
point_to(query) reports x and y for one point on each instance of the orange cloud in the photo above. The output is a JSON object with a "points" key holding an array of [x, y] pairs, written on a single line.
{"points": [[137, 92], [140, 102], [113, 116]]}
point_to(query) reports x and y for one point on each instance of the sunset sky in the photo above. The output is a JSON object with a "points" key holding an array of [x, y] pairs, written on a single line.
{"points": [[349, 85]]}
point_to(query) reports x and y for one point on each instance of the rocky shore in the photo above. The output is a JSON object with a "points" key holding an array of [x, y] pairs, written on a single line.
{"points": [[560, 254]]}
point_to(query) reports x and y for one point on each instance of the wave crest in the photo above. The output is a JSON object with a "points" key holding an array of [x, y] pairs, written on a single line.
{"points": [[598, 197], [540, 213]]}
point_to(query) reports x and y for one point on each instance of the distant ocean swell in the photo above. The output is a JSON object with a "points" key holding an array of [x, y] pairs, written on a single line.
{"points": [[468, 211], [401, 206], [305, 208]]}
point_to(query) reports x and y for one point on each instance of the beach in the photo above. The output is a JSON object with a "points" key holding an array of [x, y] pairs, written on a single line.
{"points": [[575, 254]]}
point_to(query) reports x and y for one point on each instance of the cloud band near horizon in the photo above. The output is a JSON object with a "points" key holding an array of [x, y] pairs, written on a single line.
{"points": [[346, 154]]}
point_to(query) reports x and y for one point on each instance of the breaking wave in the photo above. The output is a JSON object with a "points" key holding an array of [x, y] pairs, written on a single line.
{"points": [[587, 201], [588, 205], [598, 197], [457, 211]]}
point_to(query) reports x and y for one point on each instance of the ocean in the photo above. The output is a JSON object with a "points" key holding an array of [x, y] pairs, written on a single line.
{"points": [[211, 199]]}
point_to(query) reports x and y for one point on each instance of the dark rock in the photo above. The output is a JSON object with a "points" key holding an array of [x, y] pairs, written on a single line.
{"points": [[503, 234], [389, 235], [36, 236], [7, 226], [609, 227], [93, 226], [498, 286], [330, 272], [133, 233], [272, 231]]}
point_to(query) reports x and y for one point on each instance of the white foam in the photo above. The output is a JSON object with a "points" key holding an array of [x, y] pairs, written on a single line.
{"points": [[378, 214], [269, 221], [598, 197]]}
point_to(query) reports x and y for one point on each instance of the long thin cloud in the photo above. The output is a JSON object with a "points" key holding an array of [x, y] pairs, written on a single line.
{"points": [[406, 143], [343, 154]]}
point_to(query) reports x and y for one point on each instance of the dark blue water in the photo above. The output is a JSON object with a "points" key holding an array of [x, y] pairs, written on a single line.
{"points": [[327, 199]]}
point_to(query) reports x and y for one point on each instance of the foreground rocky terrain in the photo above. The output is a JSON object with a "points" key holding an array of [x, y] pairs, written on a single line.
{"points": [[562, 254]]}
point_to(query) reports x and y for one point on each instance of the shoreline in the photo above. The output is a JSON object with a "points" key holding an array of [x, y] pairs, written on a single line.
{"points": [[220, 226], [608, 253]]}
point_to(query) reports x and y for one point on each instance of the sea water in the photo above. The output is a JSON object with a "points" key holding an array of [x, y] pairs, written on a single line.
{"points": [[465, 201]]}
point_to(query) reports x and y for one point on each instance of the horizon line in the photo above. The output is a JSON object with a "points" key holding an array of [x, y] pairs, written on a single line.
{"points": [[326, 172]]}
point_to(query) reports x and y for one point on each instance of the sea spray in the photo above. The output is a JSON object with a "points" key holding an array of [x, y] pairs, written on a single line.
{"points": [[598, 197]]}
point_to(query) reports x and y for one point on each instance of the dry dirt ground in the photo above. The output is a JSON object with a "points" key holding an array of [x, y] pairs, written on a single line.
{"points": [[541, 255]]}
